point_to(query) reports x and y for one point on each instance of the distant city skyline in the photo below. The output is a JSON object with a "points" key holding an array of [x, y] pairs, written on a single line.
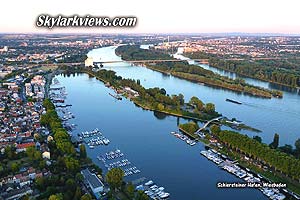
{"points": [[214, 16]]}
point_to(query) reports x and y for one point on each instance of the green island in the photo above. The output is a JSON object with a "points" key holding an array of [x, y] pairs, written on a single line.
{"points": [[278, 164], [281, 71], [157, 99], [182, 69]]}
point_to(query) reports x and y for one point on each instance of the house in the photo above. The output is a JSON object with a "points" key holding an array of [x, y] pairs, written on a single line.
{"points": [[92, 181], [46, 155], [24, 146]]}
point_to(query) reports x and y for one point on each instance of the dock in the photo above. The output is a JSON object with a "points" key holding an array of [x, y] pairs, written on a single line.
{"points": [[118, 97]]}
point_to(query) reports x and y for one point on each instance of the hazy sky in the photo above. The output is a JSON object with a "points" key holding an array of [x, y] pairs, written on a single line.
{"points": [[161, 16]]}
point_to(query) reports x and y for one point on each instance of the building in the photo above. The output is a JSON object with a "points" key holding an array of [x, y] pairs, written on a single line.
{"points": [[89, 62], [46, 155], [92, 181], [130, 91]]}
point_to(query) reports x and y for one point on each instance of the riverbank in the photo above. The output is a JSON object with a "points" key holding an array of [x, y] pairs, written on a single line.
{"points": [[166, 104], [192, 73], [245, 159], [223, 64], [145, 104]]}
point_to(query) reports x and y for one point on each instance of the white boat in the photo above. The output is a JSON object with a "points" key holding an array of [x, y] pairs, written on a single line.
{"points": [[164, 195], [192, 143], [106, 141], [149, 183]]}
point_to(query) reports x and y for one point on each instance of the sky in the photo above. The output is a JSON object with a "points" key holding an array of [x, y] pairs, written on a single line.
{"points": [[160, 16]]}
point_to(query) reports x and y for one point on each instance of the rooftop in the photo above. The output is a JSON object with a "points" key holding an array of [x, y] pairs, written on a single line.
{"points": [[92, 179]]}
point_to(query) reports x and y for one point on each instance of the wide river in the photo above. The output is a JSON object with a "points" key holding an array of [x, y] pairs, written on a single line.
{"points": [[145, 138]]}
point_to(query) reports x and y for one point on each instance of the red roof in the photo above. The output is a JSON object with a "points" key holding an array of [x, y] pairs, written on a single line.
{"points": [[25, 145]]}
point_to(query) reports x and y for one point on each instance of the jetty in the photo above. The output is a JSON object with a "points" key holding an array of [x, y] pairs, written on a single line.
{"points": [[118, 97]]}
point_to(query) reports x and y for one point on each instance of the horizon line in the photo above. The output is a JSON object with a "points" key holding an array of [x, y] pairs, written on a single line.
{"points": [[159, 33]]}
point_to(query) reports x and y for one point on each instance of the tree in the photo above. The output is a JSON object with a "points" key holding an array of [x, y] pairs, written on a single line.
{"points": [[10, 152], [39, 183], [56, 197], [82, 151], [163, 91], [130, 190], [77, 194], [141, 196], [257, 138], [181, 99], [287, 149], [86, 197], [160, 106], [210, 108], [71, 164], [215, 129], [14, 167], [196, 102], [297, 150], [71, 184], [275, 142], [114, 178]]}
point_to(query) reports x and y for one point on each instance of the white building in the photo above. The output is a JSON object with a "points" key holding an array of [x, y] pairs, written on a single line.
{"points": [[89, 62], [46, 155], [92, 181]]}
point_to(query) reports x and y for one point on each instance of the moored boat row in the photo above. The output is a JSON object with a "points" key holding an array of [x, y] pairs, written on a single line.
{"points": [[244, 174], [153, 191], [184, 138]]}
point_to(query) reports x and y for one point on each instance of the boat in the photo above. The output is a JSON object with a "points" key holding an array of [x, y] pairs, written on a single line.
{"points": [[149, 183], [164, 195], [233, 101], [91, 146], [106, 141]]}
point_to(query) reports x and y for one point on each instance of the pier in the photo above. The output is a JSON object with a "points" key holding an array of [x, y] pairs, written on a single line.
{"points": [[118, 97]]}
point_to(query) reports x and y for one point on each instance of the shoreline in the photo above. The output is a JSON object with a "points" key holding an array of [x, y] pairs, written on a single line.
{"points": [[205, 83], [145, 107]]}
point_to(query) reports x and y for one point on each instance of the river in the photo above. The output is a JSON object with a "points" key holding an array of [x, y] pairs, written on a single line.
{"points": [[146, 141], [145, 138], [268, 115]]}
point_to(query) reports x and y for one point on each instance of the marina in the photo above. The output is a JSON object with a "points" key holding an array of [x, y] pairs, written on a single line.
{"points": [[153, 191], [124, 164], [244, 174], [184, 138], [93, 138], [58, 96]]}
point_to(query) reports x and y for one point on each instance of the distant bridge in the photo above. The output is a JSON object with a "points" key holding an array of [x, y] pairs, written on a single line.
{"points": [[206, 124], [204, 61]]}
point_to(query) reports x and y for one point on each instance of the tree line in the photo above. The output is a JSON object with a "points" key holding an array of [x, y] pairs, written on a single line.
{"points": [[267, 155], [194, 73], [155, 99], [269, 70]]}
